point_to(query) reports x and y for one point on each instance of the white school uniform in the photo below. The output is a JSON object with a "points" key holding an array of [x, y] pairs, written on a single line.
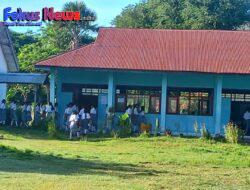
{"points": [[2, 106], [85, 116], [48, 109], [129, 111], [93, 111], [13, 106], [73, 121], [82, 111], [136, 111]]}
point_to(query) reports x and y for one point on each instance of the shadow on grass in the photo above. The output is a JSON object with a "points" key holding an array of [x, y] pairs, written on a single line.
{"points": [[14, 160], [28, 133], [40, 134]]}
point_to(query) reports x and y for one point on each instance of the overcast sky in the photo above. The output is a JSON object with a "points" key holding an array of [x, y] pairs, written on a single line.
{"points": [[106, 9]]}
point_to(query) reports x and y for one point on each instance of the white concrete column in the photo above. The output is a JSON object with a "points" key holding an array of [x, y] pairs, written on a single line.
{"points": [[52, 86], [163, 103], [218, 104], [111, 90], [3, 90]]}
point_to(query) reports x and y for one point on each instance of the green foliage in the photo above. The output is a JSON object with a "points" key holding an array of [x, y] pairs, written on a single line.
{"points": [[29, 157], [52, 130], [54, 38], [22, 39], [205, 134], [233, 133], [77, 32], [144, 134], [184, 14], [32, 53], [124, 125]]}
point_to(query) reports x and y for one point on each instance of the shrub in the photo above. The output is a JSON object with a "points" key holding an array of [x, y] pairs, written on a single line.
{"points": [[233, 133], [124, 125], [205, 134], [144, 134], [52, 130]]}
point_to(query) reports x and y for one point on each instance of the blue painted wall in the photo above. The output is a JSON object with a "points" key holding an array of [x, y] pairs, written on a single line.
{"points": [[176, 123]]}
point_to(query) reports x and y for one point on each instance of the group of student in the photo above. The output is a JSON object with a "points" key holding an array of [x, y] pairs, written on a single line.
{"points": [[41, 111], [137, 116], [80, 122]]}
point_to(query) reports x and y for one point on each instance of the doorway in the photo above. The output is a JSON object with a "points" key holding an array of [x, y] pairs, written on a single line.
{"points": [[240, 103], [237, 112], [87, 101]]}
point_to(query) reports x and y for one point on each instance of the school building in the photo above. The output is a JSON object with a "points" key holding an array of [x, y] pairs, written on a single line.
{"points": [[180, 76]]}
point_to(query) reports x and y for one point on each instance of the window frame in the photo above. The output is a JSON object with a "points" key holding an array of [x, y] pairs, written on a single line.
{"points": [[124, 93], [177, 91]]}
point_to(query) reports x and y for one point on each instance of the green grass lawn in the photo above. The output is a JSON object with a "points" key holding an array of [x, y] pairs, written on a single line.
{"points": [[29, 160]]}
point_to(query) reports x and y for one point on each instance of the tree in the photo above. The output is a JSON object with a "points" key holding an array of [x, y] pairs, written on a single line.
{"points": [[185, 14], [21, 39], [78, 32]]}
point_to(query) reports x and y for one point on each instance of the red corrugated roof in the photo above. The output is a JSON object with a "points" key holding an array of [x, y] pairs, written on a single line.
{"points": [[161, 50]]}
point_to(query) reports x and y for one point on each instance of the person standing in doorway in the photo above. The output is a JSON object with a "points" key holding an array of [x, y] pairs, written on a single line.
{"points": [[247, 119]]}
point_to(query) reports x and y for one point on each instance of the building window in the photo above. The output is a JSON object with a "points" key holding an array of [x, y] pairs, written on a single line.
{"points": [[149, 98], [236, 96], [189, 101]]}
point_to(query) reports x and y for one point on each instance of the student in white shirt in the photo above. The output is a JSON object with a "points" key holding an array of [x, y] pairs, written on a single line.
{"points": [[142, 118], [73, 119], [3, 112], [67, 113], [28, 113], [82, 111], [49, 110], [23, 114], [74, 108], [93, 115], [135, 118], [84, 126], [43, 111], [13, 114], [129, 110], [37, 114], [247, 120]]}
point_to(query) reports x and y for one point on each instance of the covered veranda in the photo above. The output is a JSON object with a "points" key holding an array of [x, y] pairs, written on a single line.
{"points": [[35, 79]]}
